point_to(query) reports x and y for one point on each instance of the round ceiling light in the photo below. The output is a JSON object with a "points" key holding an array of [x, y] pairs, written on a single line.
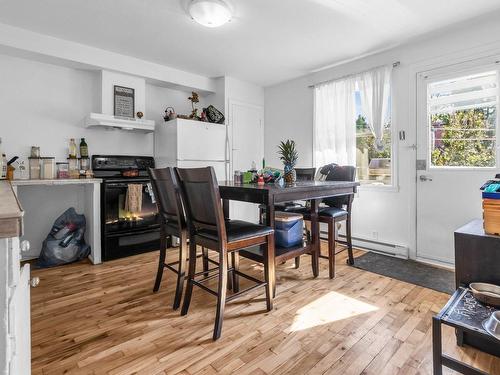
{"points": [[210, 13]]}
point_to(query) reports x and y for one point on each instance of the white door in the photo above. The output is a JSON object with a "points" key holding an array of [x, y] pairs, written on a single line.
{"points": [[247, 131], [456, 153]]}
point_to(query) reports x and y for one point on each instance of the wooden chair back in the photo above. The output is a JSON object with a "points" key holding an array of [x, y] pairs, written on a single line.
{"points": [[168, 196], [202, 201], [305, 174]]}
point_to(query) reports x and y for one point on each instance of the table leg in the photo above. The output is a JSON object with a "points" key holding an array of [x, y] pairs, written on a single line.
{"points": [[270, 223], [315, 241], [437, 361]]}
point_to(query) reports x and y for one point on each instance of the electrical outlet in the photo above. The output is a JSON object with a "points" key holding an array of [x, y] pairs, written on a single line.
{"points": [[375, 235]]}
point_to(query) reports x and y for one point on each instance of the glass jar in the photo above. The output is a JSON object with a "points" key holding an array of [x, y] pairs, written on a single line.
{"points": [[62, 170], [74, 170], [34, 168], [48, 168]]}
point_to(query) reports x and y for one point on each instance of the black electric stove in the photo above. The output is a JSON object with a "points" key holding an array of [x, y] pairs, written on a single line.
{"points": [[125, 233]]}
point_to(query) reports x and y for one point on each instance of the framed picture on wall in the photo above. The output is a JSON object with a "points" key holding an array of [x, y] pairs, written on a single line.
{"points": [[124, 98]]}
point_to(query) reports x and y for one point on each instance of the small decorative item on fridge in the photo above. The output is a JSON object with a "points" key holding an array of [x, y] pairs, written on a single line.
{"points": [[74, 170], [48, 168], [194, 99], [169, 114], [34, 168], [214, 115], [62, 170], [139, 115]]}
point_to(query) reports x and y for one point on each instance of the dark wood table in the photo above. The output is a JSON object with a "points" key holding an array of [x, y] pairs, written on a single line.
{"points": [[270, 194]]}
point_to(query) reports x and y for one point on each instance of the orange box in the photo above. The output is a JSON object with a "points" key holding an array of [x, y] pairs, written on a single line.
{"points": [[491, 216]]}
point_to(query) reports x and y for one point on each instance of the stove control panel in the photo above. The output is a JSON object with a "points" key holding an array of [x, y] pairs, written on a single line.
{"points": [[121, 162]]}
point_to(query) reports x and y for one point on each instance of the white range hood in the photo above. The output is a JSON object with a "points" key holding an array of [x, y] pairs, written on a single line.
{"points": [[105, 118], [121, 123]]}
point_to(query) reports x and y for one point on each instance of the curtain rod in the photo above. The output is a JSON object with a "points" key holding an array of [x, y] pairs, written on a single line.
{"points": [[394, 65]]}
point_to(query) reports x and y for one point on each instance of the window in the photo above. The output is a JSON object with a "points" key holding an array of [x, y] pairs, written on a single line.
{"points": [[352, 124], [373, 165], [462, 115]]}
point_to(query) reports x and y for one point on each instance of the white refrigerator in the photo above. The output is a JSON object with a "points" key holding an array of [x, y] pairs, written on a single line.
{"points": [[189, 144]]}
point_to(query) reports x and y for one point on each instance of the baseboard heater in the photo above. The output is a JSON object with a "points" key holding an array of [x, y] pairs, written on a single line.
{"points": [[381, 247]]}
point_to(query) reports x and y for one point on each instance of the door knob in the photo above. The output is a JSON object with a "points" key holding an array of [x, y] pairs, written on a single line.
{"points": [[425, 178], [34, 282]]}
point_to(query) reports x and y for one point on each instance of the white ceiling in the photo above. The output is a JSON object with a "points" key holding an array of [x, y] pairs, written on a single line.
{"points": [[268, 41]]}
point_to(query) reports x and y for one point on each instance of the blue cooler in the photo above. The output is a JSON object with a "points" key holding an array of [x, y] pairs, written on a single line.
{"points": [[289, 229]]}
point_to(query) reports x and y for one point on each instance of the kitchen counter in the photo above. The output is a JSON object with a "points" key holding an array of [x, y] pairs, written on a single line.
{"points": [[66, 181], [11, 213]]}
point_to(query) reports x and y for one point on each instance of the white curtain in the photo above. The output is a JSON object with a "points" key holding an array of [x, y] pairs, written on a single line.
{"points": [[334, 123], [375, 88]]}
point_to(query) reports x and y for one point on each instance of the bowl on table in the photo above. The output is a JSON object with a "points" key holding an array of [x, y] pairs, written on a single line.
{"points": [[492, 325], [488, 294]]}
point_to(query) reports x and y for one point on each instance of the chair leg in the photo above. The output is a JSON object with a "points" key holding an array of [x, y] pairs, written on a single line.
{"points": [[331, 249], [269, 272], [297, 262], [161, 260], [349, 239], [235, 258], [181, 271], [204, 251], [221, 294], [191, 272]]}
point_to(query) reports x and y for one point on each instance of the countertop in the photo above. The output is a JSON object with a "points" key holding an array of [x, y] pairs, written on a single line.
{"points": [[11, 212], [65, 181]]}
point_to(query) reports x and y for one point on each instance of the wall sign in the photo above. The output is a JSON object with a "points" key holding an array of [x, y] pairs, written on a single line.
{"points": [[124, 98]]}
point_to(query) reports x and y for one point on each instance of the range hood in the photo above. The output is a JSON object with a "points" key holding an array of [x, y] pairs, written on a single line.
{"points": [[121, 123], [105, 118]]}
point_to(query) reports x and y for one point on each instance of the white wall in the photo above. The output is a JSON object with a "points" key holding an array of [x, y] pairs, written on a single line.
{"points": [[44, 105], [386, 216]]}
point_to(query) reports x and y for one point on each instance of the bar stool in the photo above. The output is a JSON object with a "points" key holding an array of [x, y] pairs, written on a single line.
{"points": [[208, 228], [172, 223]]}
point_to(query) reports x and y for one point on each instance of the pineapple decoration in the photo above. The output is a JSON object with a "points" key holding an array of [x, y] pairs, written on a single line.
{"points": [[288, 155]]}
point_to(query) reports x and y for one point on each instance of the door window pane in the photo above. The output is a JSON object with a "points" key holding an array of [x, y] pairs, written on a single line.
{"points": [[462, 115]]}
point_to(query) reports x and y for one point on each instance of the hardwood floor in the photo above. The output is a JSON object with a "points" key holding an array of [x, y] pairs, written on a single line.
{"points": [[105, 319]]}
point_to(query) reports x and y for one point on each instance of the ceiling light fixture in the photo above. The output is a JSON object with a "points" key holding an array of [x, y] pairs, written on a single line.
{"points": [[210, 13]]}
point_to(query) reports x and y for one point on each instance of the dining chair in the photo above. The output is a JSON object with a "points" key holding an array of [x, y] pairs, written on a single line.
{"points": [[172, 223], [208, 228], [339, 209]]}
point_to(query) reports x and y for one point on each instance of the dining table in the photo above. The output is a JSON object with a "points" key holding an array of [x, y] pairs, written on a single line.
{"points": [[270, 194]]}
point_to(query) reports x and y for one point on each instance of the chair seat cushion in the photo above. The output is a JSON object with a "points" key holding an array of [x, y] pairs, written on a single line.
{"points": [[332, 212], [238, 230]]}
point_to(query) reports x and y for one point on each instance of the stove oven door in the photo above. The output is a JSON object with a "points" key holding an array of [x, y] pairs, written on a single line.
{"points": [[128, 232]]}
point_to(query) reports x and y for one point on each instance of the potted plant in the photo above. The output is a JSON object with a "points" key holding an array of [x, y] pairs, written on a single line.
{"points": [[288, 155]]}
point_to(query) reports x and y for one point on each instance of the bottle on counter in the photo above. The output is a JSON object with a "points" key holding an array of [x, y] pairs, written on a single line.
{"points": [[72, 148], [84, 149], [3, 167]]}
